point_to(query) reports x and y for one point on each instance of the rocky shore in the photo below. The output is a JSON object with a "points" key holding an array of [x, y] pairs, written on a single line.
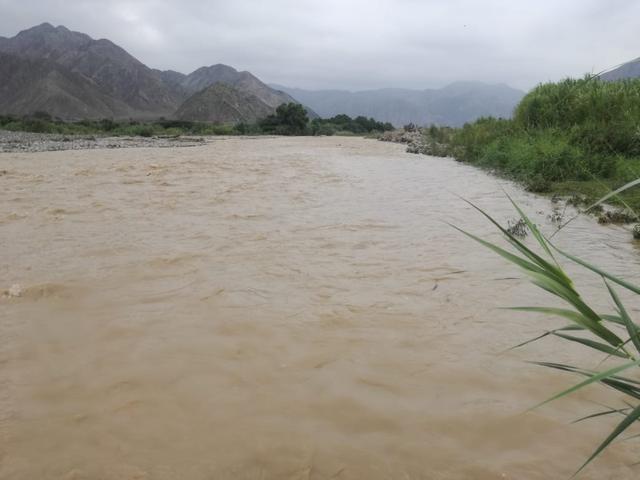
{"points": [[417, 141], [41, 142], [413, 139]]}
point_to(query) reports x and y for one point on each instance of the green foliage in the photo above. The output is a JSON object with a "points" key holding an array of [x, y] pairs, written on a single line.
{"points": [[612, 335], [41, 122], [289, 119], [320, 127], [344, 124], [572, 131], [601, 117]]}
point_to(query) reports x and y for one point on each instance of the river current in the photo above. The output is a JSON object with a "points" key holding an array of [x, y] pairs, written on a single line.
{"points": [[283, 308]]}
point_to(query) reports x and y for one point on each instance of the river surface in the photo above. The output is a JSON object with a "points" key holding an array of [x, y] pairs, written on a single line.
{"points": [[282, 308]]}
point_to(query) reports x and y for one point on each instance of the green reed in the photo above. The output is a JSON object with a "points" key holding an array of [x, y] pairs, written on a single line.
{"points": [[614, 335]]}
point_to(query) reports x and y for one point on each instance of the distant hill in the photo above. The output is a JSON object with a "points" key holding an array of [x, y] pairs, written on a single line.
{"points": [[245, 81], [72, 76], [224, 103], [628, 70], [452, 105]]}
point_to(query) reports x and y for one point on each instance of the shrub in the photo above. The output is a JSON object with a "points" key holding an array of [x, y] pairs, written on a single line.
{"points": [[538, 184], [37, 126], [601, 116]]}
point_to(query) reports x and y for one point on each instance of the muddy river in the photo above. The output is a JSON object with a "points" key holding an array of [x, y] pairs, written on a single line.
{"points": [[281, 309]]}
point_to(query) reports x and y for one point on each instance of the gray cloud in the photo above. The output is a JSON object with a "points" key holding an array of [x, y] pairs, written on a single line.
{"points": [[357, 44]]}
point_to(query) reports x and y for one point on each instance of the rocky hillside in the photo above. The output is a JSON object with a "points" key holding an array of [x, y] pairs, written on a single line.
{"points": [[112, 69], [628, 70], [222, 102], [38, 85], [453, 105], [72, 76], [244, 81]]}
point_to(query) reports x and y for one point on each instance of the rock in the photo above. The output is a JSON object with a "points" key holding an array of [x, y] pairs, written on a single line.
{"points": [[636, 232], [616, 217], [42, 142], [518, 228], [15, 291]]}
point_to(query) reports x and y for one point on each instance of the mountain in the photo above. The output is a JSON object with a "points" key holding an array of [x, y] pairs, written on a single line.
{"points": [[628, 70], [72, 76], [173, 81], [245, 81], [111, 68], [222, 102], [452, 105], [39, 85]]}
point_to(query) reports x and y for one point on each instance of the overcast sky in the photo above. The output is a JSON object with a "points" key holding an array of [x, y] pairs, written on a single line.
{"points": [[357, 44]]}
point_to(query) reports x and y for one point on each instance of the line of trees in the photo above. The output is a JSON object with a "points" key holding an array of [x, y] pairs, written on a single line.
{"points": [[289, 119]]}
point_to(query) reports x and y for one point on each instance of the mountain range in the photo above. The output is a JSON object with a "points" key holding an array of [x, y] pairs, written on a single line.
{"points": [[628, 70], [72, 76], [452, 105]]}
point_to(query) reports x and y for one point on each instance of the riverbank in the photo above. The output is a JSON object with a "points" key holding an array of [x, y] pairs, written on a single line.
{"points": [[575, 193], [574, 138], [45, 142]]}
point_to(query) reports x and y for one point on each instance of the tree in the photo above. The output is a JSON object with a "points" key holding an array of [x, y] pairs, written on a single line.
{"points": [[289, 119]]}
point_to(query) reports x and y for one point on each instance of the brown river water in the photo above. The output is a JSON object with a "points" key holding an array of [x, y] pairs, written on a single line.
{"points": [[282, 308]]}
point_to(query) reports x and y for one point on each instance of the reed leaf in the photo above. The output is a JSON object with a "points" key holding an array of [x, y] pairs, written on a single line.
{"points": [[602, 414], [536, 233], [613, 278], [543, 265], [604, 348], [615, 192], [595, 377], [590, 319], [622, 426], [524, 264], [632, 328], [546, 334]]}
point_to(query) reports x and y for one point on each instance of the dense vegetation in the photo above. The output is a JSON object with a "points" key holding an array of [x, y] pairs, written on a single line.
{"points": [[289, 119], [341, 124], [575, 136]]}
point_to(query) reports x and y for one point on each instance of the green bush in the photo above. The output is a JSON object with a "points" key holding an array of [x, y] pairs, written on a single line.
{"points": [[345, 124], [602, 117], [289, 119], [582, 130], [37, 125]]}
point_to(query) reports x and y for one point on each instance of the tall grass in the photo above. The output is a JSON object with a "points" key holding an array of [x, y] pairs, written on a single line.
{"points": [[612, 335], [581, 135]]}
